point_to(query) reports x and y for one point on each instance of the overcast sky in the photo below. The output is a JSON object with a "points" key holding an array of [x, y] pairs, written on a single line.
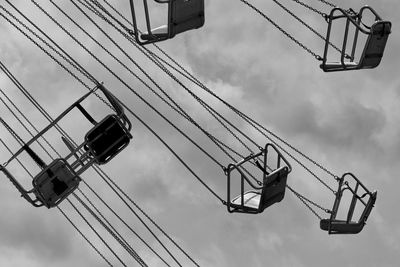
{"points": [[346, 121]]}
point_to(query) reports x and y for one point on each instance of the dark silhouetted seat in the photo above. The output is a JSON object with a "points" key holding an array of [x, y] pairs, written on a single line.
{"points": [[60, 178], [55, 183], [107, 139]]}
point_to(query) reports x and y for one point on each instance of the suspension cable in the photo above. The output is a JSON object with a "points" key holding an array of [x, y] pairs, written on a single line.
{"points": [[62, 212], [304, 202], [154, 58], [20, 141], [128, 86], [324, 15], [257, 125], [305, 168], [129, 110], [64, 55], [129, 249], [19, 120], [99, 196], [182, 112], [316, 56], [104, 175], [207, 107], [119, 217], [95, 231], [219, 143], [184, 72], [87, 240], [110, 229], [175, 243], [190, 77], [43, 111], [327, 3]]}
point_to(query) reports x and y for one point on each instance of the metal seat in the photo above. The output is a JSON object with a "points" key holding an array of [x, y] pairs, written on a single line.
{"points": [[107, 139], [60, 178], [183, 15], [269, 192], [56, 182], [51, 186], [348, 225], [377, 35]]}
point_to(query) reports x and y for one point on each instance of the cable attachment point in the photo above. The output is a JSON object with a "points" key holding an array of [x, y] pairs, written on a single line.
{"points": [[319, 58], [326, 17], [351, 12]]}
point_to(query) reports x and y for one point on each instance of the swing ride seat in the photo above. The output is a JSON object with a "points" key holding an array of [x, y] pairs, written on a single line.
{"points": [[59, 179], [183, 15], [107, 139], [373, 50], [348, 226], [273, 191], [55, 182], [263, 195]]}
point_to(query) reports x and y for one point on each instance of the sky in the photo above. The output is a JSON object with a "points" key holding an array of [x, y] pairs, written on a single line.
{"points": [[346, 121]]}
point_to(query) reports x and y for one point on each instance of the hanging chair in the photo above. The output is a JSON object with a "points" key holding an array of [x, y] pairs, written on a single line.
{"points": [[60, 178], [377, 35], [359, 194], [265, 194], [183, 15]]}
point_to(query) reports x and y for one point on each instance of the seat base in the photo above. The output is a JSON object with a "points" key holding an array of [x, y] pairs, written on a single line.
{"points": [[251, 201], [341, 227], [158, 33]]}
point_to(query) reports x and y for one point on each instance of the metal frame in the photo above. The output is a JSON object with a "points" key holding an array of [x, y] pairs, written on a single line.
{"points": [[348, 226], [237, 166], [356, 20], [153, 37], [84, 157]]}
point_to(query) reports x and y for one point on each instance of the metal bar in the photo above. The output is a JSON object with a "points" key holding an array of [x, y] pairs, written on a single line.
{"points": [[352, 205]]}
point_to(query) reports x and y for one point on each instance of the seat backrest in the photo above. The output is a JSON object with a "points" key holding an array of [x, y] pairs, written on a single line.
{"points": [[107, 139], [54, 183], [274, 186], [334, 226], [375, 44], [368, 208], [348, 225], [185, 15]]}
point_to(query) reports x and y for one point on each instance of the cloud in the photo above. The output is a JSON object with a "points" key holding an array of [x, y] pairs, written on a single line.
{"points": [[346, 120]]}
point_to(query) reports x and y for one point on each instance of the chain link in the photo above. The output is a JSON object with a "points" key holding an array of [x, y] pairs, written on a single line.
{"points": [[324, 15], [242, 115], [311, 8], [327, 3], [73, 64], [316, 56], [305, 200]]}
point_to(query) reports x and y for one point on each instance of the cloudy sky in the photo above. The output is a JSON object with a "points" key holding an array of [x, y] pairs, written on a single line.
{"points": [[346, 121]]}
